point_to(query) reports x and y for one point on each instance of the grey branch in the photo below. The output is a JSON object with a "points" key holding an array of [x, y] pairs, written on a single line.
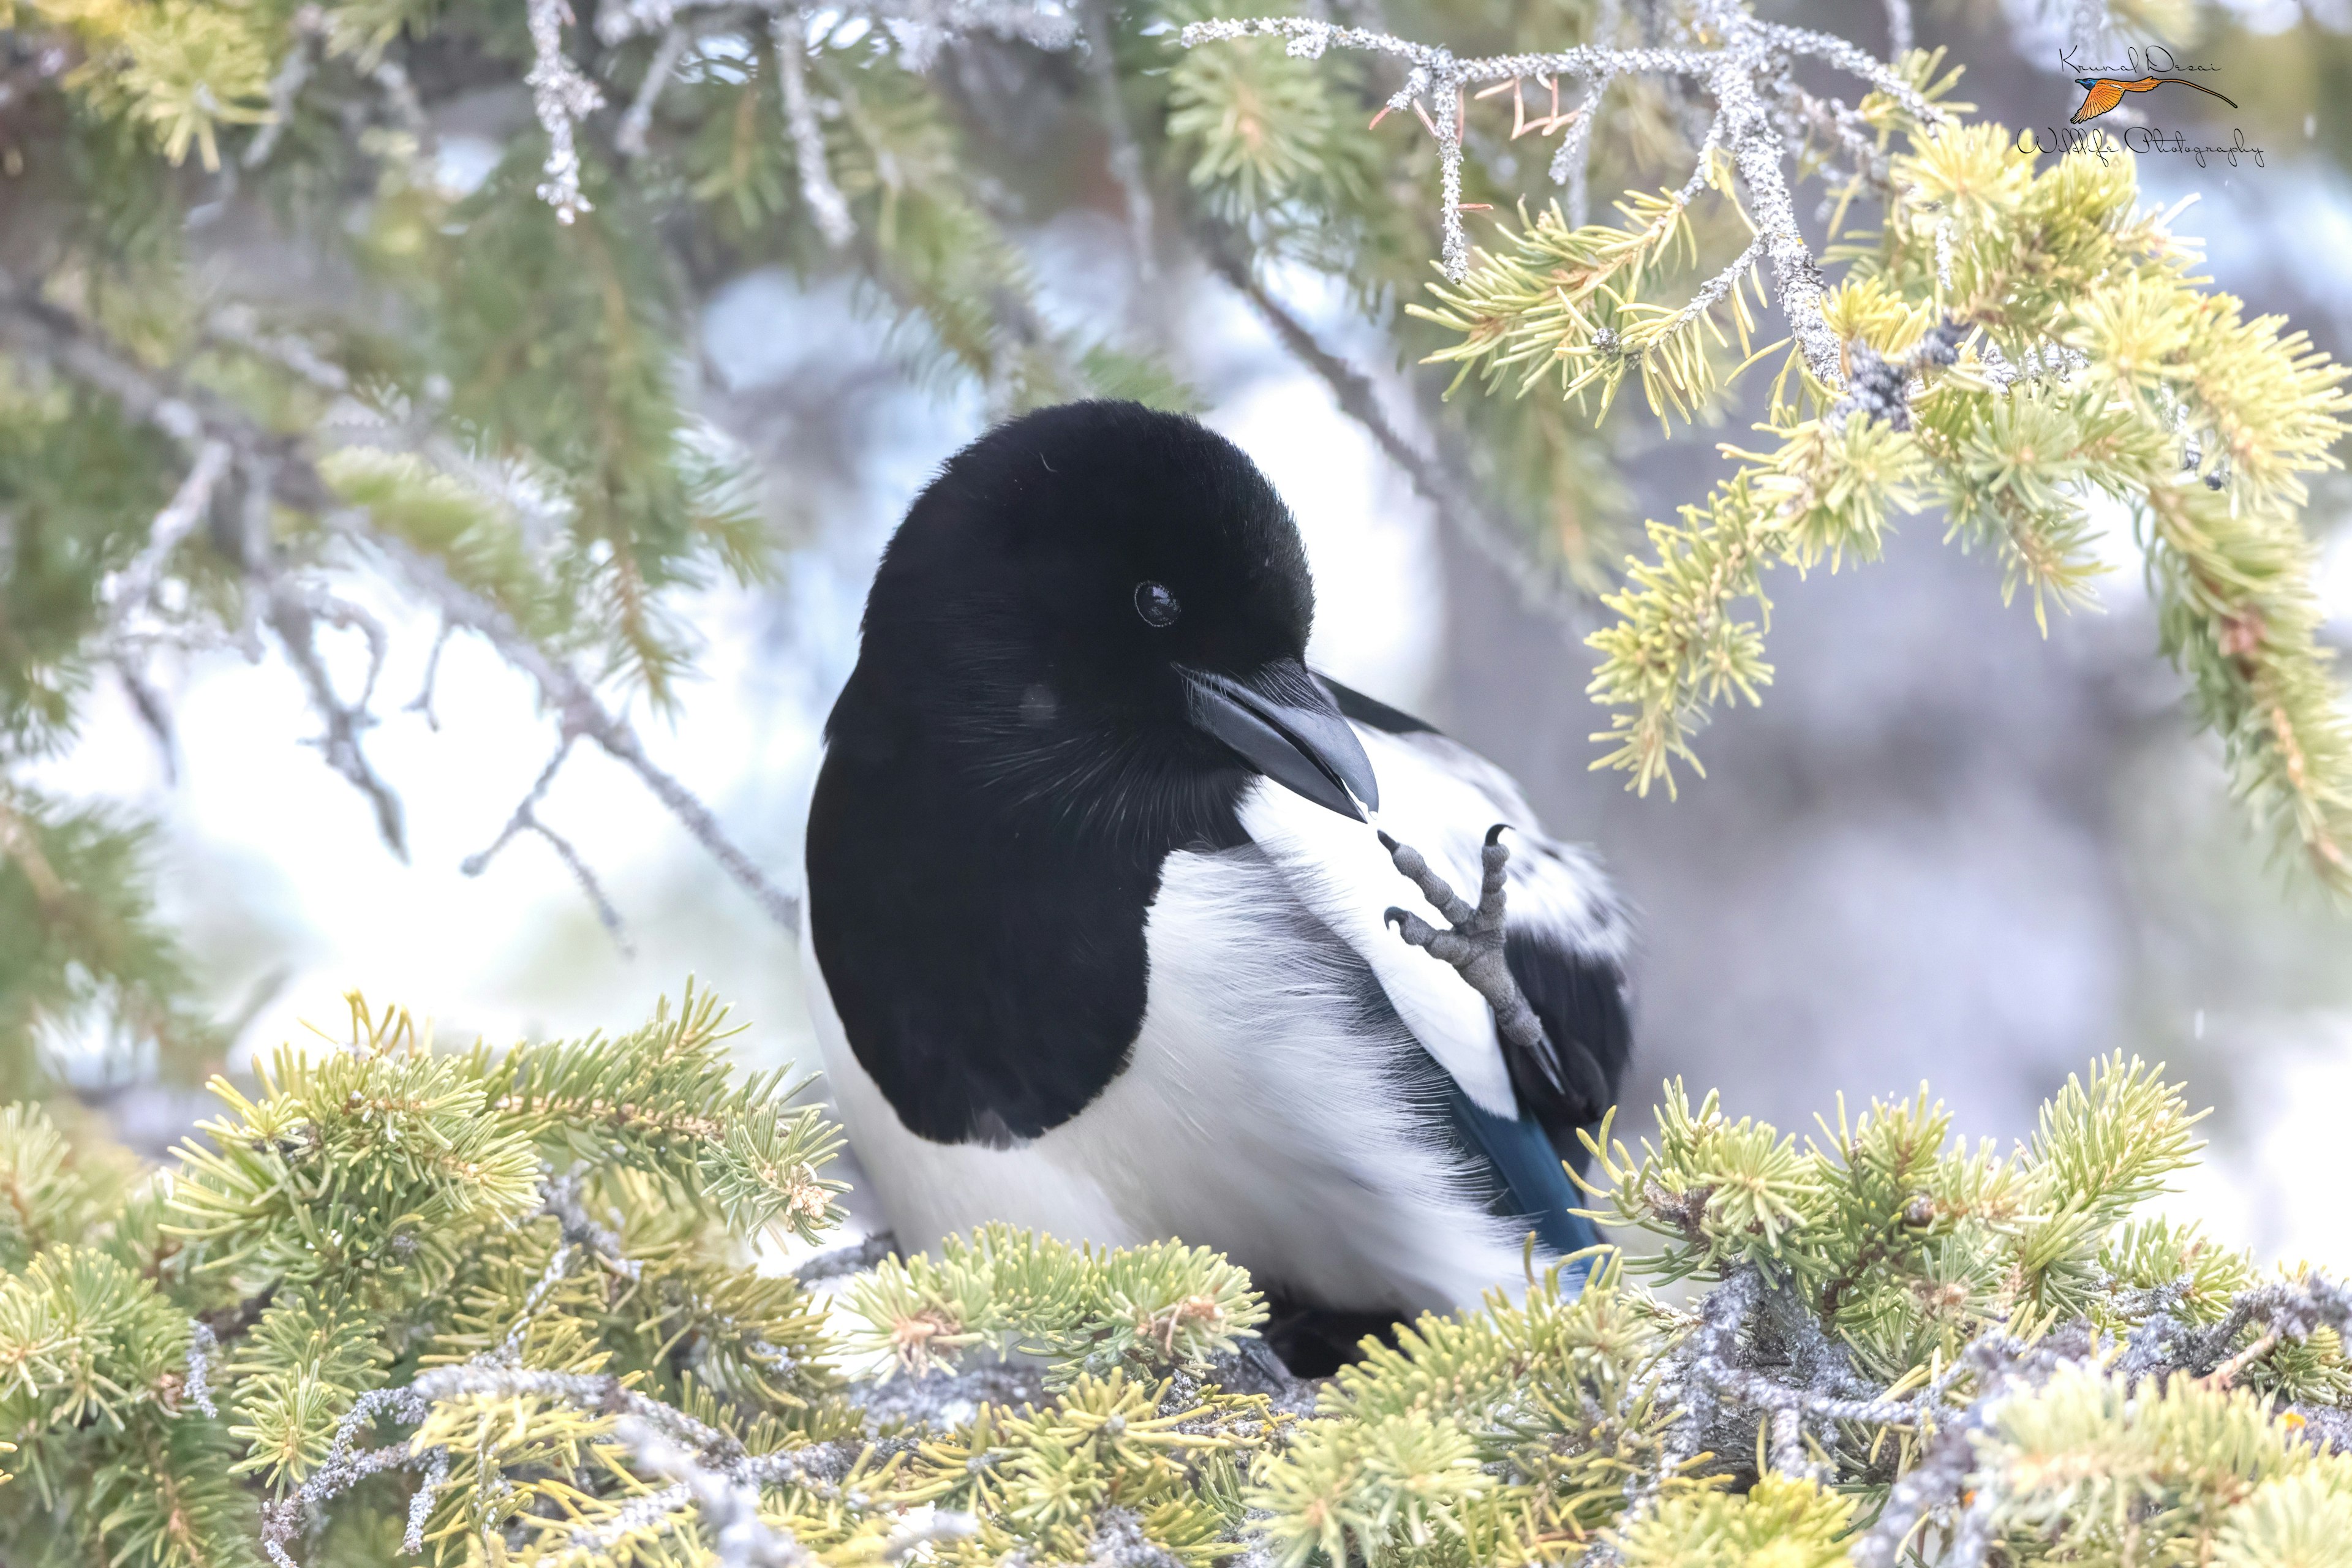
{"points": [[1881, 387], [1756, 151], [1758, 1356], [1474, 945], [1125, 156], [286, 83], [630, 139], [153, 713], [837, 1261], [201, 421], [729, 1503], [710, 1469], [178, 518], [422, 703], [1899, 28], [562, 1197], [136, 584], [526, 819], [294, 610], [560, 97], [575, 704], [202, 1342], [239, 325]]}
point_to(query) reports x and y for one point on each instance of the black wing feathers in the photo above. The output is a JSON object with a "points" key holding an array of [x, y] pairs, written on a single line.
{"points": [[1362, 709], [1580, 999]]}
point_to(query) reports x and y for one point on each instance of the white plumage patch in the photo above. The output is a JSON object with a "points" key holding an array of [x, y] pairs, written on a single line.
{"points": [[1339, 870]]}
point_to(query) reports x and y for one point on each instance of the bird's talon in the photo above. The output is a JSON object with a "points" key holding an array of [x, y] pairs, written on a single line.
{"points": [[1494, 834], [1387, 842]]}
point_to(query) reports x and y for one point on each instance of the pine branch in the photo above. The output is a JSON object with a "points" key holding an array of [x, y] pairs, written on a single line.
{"points": [[1899, 1340], [2177, 375], [275, 467]]}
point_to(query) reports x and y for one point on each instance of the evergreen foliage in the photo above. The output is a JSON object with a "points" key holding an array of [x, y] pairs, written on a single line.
{"points": [[484, 1308], [487, 1307], [2012, 343]]}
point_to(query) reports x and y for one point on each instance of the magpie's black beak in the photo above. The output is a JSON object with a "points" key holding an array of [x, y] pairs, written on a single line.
{"points": [[1284, 724]]}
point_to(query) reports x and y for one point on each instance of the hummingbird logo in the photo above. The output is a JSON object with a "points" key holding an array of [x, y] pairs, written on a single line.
{"points": [[2101, 93]]}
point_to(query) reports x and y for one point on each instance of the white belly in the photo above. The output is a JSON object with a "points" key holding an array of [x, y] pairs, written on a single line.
{"points": [[1265, 1114]]}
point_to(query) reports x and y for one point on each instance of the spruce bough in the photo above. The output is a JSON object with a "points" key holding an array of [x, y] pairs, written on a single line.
{"points": [[495, 1307]]}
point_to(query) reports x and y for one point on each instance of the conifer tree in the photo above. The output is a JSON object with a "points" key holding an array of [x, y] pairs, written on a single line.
{"points": [[488, 1307], [484, 1306]]}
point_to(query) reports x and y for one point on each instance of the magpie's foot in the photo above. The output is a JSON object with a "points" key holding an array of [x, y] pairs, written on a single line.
{"points": [[1473, 945]]}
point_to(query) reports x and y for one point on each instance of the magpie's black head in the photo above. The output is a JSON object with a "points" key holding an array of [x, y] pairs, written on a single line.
{"points": [[1103, 610]]}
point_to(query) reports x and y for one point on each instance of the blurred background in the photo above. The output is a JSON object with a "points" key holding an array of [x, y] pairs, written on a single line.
{"points": [[1945, 848]]}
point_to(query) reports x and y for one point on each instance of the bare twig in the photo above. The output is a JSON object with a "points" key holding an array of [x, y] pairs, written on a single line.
{"points": [[423, 701], [294, 610], [136, 584], [153, 711], [237, 326], [286, 85], [525, 818], [1125, 156], [173, 523], [575, 702]]}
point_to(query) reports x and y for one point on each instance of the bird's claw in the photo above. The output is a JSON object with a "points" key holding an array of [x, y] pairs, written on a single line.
{"points": [[1434, 888], [1474, 943]]}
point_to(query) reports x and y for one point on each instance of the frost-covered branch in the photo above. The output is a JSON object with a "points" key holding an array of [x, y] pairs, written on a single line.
{"points": [[562, 97], [789, 33], [920, 25], [1749, 67]]}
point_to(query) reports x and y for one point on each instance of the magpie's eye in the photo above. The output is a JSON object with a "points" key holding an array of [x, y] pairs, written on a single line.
{"points": [[1156, 604]]}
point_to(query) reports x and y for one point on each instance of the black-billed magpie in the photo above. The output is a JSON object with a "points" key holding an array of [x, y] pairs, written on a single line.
{"points": [[1095, 923]]}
